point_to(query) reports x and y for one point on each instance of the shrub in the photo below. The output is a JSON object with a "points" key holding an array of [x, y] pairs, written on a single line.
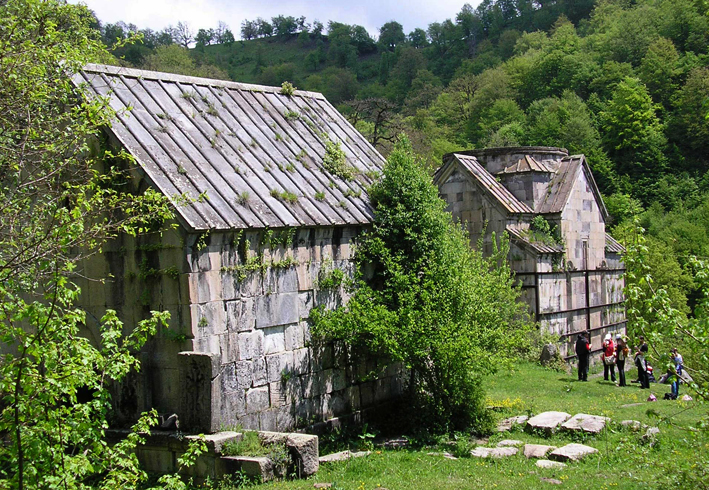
{"points": [[433, 304]]}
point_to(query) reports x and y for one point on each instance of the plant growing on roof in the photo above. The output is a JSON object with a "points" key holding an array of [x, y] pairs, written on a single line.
{"points": [[287, 89], [320, 196], [335, 161]]}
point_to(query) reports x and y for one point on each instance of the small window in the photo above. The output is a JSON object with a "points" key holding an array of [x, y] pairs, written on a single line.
{"points": [[459, 197]]}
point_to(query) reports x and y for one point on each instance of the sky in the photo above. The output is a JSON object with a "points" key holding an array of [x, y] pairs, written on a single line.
{"points": [[372, 14]]}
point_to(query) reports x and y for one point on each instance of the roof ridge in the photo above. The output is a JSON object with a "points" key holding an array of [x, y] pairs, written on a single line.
{"points": [[174, 77]]}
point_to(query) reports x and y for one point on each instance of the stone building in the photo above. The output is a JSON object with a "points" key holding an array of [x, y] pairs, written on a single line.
{"points": [[269, 195], [548, 203]]}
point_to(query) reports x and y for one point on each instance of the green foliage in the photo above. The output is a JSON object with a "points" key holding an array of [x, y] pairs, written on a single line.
{"points": [[320, 196], [64, 194], [541, 230], [335, 161], [287, 89], [248, 445], [285, 196], [434, 303]]}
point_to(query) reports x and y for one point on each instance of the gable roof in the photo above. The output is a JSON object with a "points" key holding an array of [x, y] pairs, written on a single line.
{"points": [[245, 146], [487, 182], [563, 183], [526, 164], [523, 239]]}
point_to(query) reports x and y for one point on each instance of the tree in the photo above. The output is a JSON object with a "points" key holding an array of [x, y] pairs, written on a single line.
{"points": [[659, 71], [418, 38], [249, 29], [176, 59], [433, 304], [264, 28], [380, 114], [391, 35], [64, 193], [632, 132], [284, 26], [182, 34], [204, 37]]}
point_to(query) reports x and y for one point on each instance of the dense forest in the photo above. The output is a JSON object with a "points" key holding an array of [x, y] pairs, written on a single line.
{"points": [[624, 82]]}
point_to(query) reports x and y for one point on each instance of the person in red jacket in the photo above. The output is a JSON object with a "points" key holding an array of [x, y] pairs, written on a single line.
{"points": [[608, 357]]}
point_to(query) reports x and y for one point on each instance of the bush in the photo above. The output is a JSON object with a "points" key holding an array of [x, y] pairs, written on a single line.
{"points": [[434, 303]]}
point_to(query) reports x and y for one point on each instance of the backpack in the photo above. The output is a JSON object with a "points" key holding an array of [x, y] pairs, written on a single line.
{"points": [[670, 396]]}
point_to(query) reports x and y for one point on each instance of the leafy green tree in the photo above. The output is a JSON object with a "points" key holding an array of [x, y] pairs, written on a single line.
{"points": [[249, 29], [204, 38], [632, 132], [689, 125], [391, 35], [64, 194], [284, 25], [418, 38], [659, 70], [433, 303]]}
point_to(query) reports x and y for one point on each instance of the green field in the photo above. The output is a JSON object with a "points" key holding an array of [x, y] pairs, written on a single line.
{"points": [[623, 460]]}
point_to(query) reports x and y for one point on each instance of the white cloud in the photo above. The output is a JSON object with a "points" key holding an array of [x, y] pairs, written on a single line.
{"points": [[157, 14]]}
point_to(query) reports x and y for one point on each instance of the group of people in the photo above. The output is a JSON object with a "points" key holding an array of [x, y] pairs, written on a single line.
{"points": [[615, 354]]}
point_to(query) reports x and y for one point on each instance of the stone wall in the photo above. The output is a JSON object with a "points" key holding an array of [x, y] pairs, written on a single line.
{"points": [[471, 205], [238, 351]]}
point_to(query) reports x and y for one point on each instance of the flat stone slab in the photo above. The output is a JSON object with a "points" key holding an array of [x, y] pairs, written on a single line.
{"points": [[651, 434], [537, 450], [554, 465], [343, 456], [628, 405], [255, 467], [493, 452], [592, 424], [507, 424], [510, 443], [548, 421], [553, 481], [572, 452]]}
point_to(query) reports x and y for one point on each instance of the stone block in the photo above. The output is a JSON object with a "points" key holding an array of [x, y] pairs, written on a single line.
{"points": [[257, 399], [326, 380], [259, 468], [156, 460], [278, 364], [306, 302], [508, 423], [250, 345], [244, 374], [548, 421], [592, 424], [228, 378], [295, 336], [208, 318], [268, 419], [274, 340], [233, 406], [352, 397], [554, 465], [339, 379], [276, 309], [301, 362], [229, 343], [260, 374], [240, 315], [493, 452], [310, 385], [303, 449], [285, 418], [537, 450], [321, 357], [572, 452]]}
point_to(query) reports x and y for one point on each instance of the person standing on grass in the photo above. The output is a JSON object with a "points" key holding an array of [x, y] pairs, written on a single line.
{"points": [[608, 357], [582, 351], [679, 367], [641, 363], [621, 352]]}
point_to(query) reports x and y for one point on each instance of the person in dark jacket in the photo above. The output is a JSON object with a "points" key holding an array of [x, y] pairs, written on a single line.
{"points": [[621, 350], [583, 348], [641, 363]]}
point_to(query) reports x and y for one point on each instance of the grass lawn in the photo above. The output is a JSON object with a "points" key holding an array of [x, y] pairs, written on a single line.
{"points": [[623, 460]]}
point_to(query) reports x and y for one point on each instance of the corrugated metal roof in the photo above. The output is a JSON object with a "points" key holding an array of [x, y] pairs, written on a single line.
{"points": [[613, 246], [488, 182], [526, 164], [243, 145], [537, 246]]}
